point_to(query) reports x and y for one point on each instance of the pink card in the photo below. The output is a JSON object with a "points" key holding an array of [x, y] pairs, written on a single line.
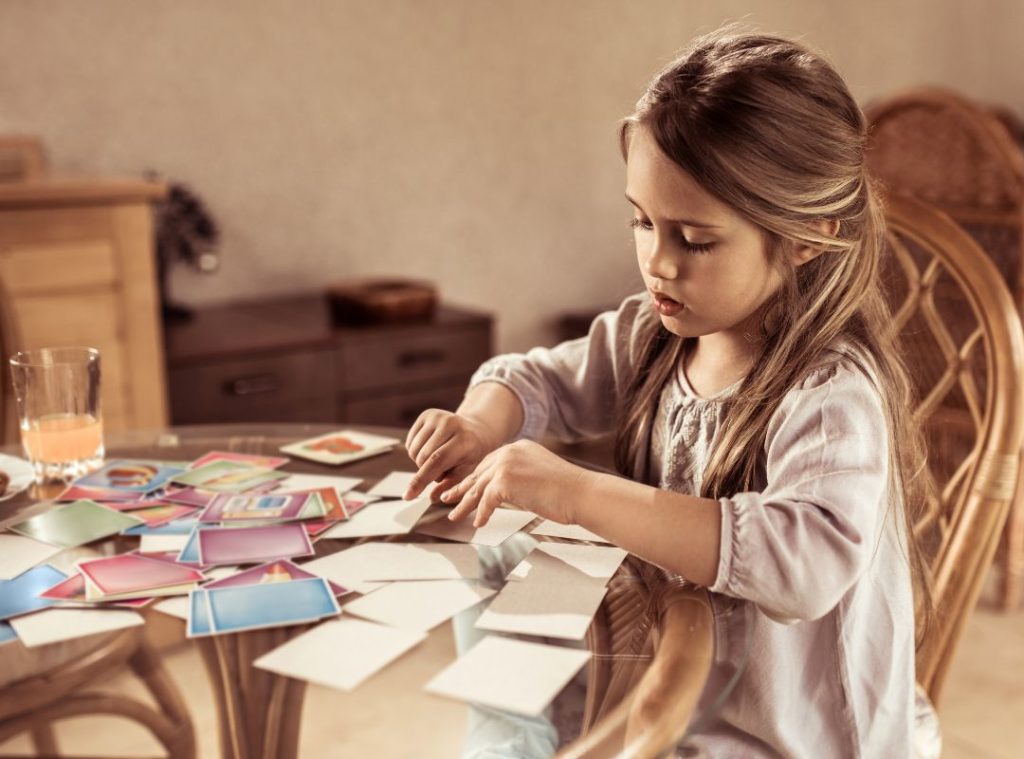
{"points": [[230, 507], [267, 462], [72, 590], [249, 545], [113, 498], [272, 571], [159, 513], [131, 573]]}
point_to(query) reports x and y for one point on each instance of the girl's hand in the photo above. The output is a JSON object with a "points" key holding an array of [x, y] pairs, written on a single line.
{"points": [[446, 447], [525, 474]]}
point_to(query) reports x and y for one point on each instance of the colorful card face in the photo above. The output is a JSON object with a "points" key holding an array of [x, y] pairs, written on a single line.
{"points": [[266, 462], [75, 524], [341, 447], [189, 497], [249, 545], [252, 607], [100, 495], [269, 506], [228, 477], [273, 571], [198, 614], [175, 527], [130, 476], [21, 595], [130, 575], [155, 516], [72, 591]]}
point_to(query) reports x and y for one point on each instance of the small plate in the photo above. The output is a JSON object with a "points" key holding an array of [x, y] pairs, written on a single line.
{"points": [[21, 473]]}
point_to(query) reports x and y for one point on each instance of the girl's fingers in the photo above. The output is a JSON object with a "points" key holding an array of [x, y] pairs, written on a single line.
{"points": [[450, 479], [437, 463], [431, 426], [414, 431], [473, 488], [437, 438], [488, 503]]}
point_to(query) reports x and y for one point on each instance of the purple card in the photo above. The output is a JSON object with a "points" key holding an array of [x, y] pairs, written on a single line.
{"points": [[249, 545], [241, 508], [272, 571]]}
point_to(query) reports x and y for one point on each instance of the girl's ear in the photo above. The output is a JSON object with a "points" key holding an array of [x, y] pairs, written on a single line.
{"points": [[804, 253]]}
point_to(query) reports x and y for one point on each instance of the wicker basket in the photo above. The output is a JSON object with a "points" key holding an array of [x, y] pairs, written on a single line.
{"points": [[375, 301]]}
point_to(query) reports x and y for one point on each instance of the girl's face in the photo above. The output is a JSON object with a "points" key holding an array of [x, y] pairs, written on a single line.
{"points": [[705, 266]]}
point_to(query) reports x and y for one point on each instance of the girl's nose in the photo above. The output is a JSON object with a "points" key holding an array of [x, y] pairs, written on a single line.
{"points": [[661, 264]]}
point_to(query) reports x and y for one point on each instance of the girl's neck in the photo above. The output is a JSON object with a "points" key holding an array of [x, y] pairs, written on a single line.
{"points": [[716, 362]]}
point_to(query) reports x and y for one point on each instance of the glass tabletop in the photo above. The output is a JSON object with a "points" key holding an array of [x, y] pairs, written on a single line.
{"points": [[649, 630]]}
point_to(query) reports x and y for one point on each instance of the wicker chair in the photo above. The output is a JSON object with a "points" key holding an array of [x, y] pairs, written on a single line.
{"points": [[33, 703], [963, 159], [962, 334]]}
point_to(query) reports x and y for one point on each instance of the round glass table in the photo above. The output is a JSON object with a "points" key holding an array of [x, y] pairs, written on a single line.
{"points": [[644, 691]]}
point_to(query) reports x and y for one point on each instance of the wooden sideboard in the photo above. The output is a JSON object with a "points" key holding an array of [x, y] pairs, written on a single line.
{"points": [[282, 360], [77, 268]]}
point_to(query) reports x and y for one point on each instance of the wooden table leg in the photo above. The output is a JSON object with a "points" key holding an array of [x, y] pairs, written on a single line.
{"points": [[259, 713]]}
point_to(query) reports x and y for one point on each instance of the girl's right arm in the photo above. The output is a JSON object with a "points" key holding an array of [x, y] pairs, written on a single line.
{"points": [[570, 391], [443, 443]]}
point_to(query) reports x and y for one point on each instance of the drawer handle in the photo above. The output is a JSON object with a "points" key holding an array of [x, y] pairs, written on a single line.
{"points": [[411, 358], [260, 383]]}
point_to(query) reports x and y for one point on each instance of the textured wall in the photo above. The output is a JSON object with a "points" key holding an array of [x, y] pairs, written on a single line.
{"points": [[468, 141]]}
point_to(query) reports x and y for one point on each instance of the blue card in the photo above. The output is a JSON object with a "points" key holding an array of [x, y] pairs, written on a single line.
{"points": [[177, 527], [275, 604], [130, 476], [21, 594], [198, 614], [7, 633], [190, 553]]}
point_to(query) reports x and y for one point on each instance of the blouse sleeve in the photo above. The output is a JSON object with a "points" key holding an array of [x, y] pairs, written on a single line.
{"points": [[798, 546], [572, 390]]}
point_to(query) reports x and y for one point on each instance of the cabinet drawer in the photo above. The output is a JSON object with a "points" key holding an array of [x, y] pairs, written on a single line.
{"points": [[400, 409], [284, 387], [404, 358]]}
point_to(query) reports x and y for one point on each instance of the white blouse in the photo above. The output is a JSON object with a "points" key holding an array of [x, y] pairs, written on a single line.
{"points": [[813, 593]]}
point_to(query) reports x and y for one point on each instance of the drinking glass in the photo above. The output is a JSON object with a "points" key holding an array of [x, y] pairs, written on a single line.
{"points": [[58, 392]]}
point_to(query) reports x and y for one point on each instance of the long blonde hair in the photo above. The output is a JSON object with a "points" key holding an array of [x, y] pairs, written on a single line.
{"points": [[769, 128]]}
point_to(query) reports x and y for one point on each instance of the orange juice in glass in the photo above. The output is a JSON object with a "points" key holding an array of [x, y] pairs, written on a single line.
{"points": [[58, 393]]}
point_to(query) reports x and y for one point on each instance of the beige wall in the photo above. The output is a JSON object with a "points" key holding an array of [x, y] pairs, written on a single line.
{"points": [[468, 141]]}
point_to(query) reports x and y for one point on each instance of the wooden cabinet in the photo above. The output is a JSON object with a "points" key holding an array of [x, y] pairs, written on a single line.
{"points": [[282, 360], [77, 268]]}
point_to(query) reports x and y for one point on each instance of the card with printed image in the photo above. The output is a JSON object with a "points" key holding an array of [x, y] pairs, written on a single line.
{"points": [[20, 595], [273, 571], [130, 476], [74, 524], [249, 459], [246, 508], [341, 447], [254, 607], [229, 477], [252, 545], [131, 575]]}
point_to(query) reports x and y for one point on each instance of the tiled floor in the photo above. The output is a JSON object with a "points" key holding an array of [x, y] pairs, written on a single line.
{"points": [[982, 718]]}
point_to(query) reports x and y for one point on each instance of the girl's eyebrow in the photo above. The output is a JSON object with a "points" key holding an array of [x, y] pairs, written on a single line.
{"points": [[684, 222]]}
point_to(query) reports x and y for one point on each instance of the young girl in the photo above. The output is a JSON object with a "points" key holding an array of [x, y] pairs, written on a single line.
{"points": [[760, 413]]}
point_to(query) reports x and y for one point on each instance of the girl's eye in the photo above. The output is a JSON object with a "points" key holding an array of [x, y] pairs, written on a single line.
{"points": [[690, 247], [697, 248]]}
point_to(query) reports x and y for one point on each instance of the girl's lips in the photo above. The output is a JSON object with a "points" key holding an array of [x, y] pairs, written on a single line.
{"points": [[665, 306]]}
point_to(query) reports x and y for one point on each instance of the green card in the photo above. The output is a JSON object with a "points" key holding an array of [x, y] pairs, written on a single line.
{"points": [[74, 524], [228, 477]]}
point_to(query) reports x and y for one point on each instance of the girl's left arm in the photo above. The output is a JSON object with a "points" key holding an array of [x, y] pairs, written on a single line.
{"points": [[678, 532]]}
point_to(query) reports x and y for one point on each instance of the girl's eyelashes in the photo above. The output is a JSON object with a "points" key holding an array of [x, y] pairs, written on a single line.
{"points": [[690, 247]]}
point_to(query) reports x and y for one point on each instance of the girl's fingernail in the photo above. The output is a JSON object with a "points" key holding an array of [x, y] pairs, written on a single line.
{"points": [[451, 516], [446, 496]]}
